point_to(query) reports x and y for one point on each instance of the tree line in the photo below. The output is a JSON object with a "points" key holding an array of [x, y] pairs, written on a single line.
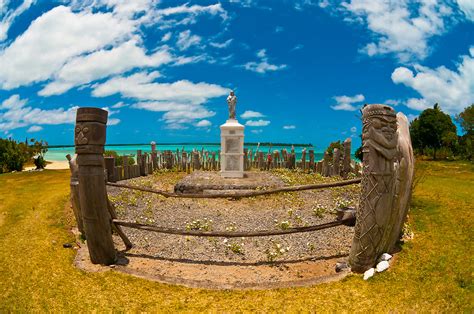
{"points": [[14, 155], [433, 134]]}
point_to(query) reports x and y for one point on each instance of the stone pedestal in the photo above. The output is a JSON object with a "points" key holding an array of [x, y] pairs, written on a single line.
{"points": [[232, 149]]}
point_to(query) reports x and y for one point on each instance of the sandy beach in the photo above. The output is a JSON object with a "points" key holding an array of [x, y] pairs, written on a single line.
{"points": [[52, 165]]}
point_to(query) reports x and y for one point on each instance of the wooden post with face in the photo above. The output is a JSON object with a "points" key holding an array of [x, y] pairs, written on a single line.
{"points": [[89, 141]]}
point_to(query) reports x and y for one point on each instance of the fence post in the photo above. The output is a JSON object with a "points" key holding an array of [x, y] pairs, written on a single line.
{"points": [[346, 162], [89, 137], [336, 162], [110, 166], [374, 216], [311, 159], [76, 206]]}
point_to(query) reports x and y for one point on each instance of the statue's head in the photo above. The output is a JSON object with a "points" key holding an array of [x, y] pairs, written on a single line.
{"points": [[380, 117], [231, 93]]}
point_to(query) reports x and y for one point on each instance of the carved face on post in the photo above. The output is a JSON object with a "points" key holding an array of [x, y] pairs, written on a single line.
{"points": [[379, 131]]}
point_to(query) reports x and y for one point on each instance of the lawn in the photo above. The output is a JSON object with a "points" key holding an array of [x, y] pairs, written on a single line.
{"points": [[432, 273]]}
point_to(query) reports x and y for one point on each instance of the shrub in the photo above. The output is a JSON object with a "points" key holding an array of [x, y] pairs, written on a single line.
{"points": [[14, 155], [118, 158]]}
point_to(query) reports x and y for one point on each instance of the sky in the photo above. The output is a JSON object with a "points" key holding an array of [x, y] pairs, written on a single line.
{"points": [[301, 69]]}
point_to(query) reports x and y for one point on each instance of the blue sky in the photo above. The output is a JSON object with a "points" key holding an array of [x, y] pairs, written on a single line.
{"points": [[301, 69]]}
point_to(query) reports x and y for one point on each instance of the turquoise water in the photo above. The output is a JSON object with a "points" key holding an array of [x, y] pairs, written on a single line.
{"points": [[59, 153]]}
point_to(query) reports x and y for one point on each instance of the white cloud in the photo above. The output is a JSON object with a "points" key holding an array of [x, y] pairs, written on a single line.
{"points": [[353, 129], [403, 27], [128, 8], [257, 122], [244, 3], [140, 86], [118, 105], [69, 34], [166, 37], [453, 90], [392, 102], [279, 29], [225, 44], [213, 9], [256, 131], [34, 128], [186, 40], [15, 114], [249, 114], [289, 127], [347, 102], [298, 47], [204, 124], [113, 121], [262, 66], [467, 6], [182, 102], [101, 64], [8, 16]]}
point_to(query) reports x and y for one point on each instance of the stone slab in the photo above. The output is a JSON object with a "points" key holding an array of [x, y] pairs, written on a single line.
{"points": [[199, 181]]}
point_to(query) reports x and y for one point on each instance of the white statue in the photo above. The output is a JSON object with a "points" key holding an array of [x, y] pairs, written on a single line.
{"points": [[232, 101]]}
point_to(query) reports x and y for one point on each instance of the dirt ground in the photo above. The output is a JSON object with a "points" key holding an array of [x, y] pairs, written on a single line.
{"points": [[221, 263]]}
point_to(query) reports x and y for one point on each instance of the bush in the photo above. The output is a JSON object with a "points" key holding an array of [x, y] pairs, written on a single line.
{"points": [[118, 158], [39, 162], [333, 145], [14, 155]]}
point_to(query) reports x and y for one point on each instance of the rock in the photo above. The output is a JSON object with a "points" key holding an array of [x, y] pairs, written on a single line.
{"points": [[67, 245], [383, 265], [385, 257], [340, 266], [369, 273]]}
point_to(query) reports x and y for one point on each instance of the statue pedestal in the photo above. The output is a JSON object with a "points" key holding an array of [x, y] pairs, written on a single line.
{"points": [[232, 149]]}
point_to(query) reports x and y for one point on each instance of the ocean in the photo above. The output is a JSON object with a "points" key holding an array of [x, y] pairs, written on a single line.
{"points": [[59, 153]]}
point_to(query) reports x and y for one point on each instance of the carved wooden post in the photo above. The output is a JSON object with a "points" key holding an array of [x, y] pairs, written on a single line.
{"points": [[325, 167], [110, 166], [336, 162], [311, 159], [76, 206], [89, 140], [319, 167], [405, 173], [379, 145], [346, 162], [303, 159]]}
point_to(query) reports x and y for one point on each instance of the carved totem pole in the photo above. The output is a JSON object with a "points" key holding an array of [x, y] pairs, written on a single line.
{"points": [[372, 231], [89, 141]]}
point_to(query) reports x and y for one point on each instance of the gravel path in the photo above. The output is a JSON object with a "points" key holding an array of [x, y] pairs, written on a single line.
{"points": [[258, 213]]}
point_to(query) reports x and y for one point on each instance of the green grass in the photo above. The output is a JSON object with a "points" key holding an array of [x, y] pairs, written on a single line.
{"points": [[432, 273]]}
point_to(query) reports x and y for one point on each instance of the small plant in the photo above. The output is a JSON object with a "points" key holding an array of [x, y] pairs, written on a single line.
{"points": [[319, 210], [407, 232], [276, 251], [203, 225], [231, 227], [236, 248], [283, 225], [343, 203]]}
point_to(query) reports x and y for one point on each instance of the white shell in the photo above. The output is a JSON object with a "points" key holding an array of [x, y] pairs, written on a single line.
{"points": [[383, 265], [385, 257], [369, 273]]}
